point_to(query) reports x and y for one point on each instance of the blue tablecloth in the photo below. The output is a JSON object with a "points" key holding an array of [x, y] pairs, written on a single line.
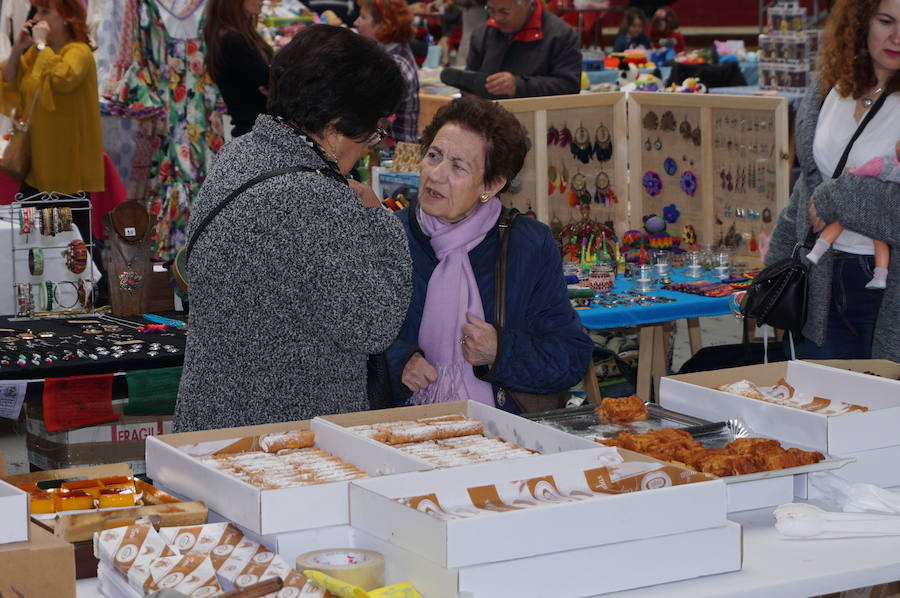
{"points": [[685, 306]]}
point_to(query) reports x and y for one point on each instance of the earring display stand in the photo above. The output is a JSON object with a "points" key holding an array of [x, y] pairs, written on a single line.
{"points": [[544, 185], [757, 164], [42, 229], [129, 228]]}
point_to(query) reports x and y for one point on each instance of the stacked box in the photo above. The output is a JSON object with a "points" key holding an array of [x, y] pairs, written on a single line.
{"points": [[788, 52]]}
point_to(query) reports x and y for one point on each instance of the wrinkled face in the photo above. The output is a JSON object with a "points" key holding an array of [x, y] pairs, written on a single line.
{"points": [[54, 20], [253, 7], [510, 15], [884, 37], [365, 23], [452, 180], [636, 28]]}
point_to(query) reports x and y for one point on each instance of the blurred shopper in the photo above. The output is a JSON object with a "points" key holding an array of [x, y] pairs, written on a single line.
{"points": [[632, 32], [664, 31]]}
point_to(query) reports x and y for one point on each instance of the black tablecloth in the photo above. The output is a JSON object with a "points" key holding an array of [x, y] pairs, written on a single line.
{"points": [[69, 337]]}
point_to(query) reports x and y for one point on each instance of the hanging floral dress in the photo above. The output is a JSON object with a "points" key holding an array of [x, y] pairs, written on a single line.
{"points": [[167, 81]]}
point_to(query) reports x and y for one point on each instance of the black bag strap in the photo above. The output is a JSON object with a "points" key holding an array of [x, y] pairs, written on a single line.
{"points": [[254, 181], [504, 225], [862, 125]]}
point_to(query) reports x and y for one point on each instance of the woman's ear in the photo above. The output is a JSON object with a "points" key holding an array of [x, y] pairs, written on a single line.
{"points": [[493, 188]]}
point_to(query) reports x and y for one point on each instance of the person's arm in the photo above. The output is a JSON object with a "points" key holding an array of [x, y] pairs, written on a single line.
{"points": [[784, 235], [565, 64], [864, 205], [549, 351], [11, 67], [364, 280]]}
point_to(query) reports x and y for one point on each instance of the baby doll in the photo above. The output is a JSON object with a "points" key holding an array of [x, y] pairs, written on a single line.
{"points": [[885, 168]]}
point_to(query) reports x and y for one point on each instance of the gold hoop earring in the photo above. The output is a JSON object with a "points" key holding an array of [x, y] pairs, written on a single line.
{"points": [[484, 197]]}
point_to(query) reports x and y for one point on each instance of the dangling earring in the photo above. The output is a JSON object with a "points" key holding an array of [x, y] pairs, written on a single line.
{"points": [[484, 197], [603, 148]]}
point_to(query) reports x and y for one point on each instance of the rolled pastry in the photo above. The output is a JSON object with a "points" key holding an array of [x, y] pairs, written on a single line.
{"points": [[294, 439]]}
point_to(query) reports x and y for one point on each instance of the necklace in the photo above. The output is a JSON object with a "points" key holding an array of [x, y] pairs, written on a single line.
{"points": [[129, 280], [869, 99]]}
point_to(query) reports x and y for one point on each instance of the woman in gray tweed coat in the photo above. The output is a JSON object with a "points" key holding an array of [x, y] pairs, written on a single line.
{"points": [[300, 276], [860, 64]]}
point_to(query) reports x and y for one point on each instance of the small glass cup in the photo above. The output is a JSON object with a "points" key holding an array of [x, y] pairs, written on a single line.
{"points": [[693, 265], [571, 269], [644, 279], [722, 265], [662, 265], [602, 277]]}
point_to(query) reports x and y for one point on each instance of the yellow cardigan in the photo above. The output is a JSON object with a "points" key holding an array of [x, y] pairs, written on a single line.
{"points": [[66, 139]]}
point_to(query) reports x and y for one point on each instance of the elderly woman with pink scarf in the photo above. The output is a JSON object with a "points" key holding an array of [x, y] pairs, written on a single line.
{"points": [[451, 346]]}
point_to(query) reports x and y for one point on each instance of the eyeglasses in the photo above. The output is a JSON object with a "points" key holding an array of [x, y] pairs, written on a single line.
{"points": [[376, 137], [491, 11]]}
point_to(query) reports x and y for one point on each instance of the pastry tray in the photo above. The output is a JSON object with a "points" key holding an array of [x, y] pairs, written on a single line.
{"points": [[583, 421]]}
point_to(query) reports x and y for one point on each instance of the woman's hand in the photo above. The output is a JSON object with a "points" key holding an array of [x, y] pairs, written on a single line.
{"points": [[366, 196], [479, 341], [23, 38], [40, 31], [418, 374], [815, 221]]}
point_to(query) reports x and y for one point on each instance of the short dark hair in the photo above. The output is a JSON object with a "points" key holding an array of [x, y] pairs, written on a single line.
{"points": [[505, 138], [328, 75], [631, 15]]}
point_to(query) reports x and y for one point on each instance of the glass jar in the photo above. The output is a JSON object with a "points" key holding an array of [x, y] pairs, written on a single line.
{"points": [[693, 265], [644, 279], [722, 265], [602, 277], [662, 265]]}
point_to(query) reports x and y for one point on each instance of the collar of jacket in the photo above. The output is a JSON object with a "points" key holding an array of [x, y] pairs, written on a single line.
{"points": [[532, 31]]}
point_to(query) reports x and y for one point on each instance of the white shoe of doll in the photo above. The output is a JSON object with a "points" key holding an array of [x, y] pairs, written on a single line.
{"points": [[877, 283]]}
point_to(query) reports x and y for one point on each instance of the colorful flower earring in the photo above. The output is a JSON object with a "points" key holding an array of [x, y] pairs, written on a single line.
{"points": [[688, 182], [652, 183], [670, 166]]}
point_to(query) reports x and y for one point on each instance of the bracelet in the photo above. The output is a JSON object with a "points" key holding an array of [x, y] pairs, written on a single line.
{"points": [[76, 256], [24, 299], [59, 302], [82, 295], [47, 295], [36, 261], [64, 220]]}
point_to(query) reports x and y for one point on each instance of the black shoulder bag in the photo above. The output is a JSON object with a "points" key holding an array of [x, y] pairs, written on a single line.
{"points": [[527, 402], [778, 295]]}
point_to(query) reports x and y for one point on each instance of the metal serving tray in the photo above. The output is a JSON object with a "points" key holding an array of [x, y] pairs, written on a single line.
{"points": [[582, 421]]}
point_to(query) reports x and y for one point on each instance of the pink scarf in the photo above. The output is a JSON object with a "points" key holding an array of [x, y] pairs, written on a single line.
{"points": [[453, 291]]}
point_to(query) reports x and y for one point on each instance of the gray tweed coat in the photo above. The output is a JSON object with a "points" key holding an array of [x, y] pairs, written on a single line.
{"points": [[862, 204], [292, 285]]}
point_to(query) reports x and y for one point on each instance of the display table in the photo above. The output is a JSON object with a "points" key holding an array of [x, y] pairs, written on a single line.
{"points": [[653, 321], [73, 422], [774, 566]]}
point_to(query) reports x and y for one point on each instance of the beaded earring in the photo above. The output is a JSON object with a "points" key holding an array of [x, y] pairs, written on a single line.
{"points": [[651, 121], [668, 123]]}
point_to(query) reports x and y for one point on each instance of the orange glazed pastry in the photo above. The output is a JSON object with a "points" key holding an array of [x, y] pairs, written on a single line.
{"points": [[74, 500], [617, 410], [119, 481], [92, 487], [41, 502], [115, 497]]}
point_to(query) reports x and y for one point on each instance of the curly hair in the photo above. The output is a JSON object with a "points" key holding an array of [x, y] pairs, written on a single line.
{"points": [[394, 17], [73, 13], [666, 16], [844, 58], [506, 140], [329, 75]]}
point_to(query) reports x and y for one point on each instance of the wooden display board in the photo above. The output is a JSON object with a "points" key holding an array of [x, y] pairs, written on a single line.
{"points": [[731, 177], [601, 120]]}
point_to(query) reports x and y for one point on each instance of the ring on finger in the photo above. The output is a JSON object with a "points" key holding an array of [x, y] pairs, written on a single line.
{"points": [[463, 339]]}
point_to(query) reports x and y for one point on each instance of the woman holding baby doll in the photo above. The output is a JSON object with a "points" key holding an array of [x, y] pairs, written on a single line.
{"points": [[463, 338], [854, 304]]}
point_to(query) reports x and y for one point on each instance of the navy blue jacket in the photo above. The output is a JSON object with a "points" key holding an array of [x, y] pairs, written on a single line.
{"points": [[543, 347]]}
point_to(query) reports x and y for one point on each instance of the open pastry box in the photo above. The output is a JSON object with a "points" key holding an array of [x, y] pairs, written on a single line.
{"points": [[177, 462], [497, 423], [13, 513], [499, 511], [696, 394], [67, 501]]}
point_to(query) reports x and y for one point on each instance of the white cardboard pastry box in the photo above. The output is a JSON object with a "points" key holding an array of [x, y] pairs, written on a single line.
{"points": [[13, 514], [497, 423], [864, 435], [175, 462], [499, 511]]}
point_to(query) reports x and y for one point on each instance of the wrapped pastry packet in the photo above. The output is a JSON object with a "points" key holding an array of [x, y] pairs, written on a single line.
{"points": [[192, 575], [131, 550]]}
